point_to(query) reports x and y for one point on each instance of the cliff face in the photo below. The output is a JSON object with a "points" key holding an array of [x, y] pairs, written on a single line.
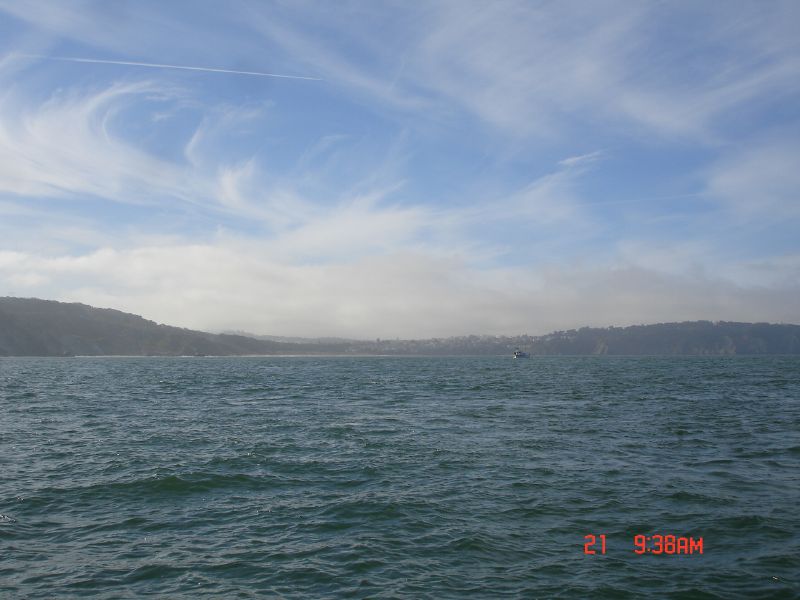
{"points": [[32, 327]]}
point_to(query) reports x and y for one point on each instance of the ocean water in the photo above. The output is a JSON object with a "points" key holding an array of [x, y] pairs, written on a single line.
{"points": [[398, 477]]}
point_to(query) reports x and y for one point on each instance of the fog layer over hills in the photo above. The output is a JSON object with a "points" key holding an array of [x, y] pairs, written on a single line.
{"points": [[33, 327]]}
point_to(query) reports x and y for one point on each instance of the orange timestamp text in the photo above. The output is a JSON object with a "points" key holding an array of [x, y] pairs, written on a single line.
{"points": [[648, 544]]}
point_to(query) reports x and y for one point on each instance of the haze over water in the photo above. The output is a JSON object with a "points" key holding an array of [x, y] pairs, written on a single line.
{"points": [[397, 477]]}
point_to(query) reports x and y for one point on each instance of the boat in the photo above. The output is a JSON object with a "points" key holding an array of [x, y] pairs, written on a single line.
{"points": [[521, 354]]}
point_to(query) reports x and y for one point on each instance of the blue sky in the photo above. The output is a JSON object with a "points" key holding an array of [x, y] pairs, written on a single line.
{"points": [[450, 167]]}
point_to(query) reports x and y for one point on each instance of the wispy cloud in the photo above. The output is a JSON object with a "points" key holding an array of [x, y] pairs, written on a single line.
{"points": [[533, 70], [66, 146], [581, 160], [323, 55], [760, 180], [541, 70]]}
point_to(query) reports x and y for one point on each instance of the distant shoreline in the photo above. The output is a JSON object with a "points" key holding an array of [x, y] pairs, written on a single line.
{"points": [[45, 328], [433, 356]]}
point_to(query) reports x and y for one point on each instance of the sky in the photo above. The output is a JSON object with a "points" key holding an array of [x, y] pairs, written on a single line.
{"points": [[403, 169]]}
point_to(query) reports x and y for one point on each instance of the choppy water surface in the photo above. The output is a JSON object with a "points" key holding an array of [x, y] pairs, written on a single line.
{"points": [[397, 477]]}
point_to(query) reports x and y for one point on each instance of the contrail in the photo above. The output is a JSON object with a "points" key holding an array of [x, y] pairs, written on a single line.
{"points": [[160, 66]]}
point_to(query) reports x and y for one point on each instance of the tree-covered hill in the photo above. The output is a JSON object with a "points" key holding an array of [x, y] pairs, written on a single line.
{"points": [[688, 338], [32, 327]]}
